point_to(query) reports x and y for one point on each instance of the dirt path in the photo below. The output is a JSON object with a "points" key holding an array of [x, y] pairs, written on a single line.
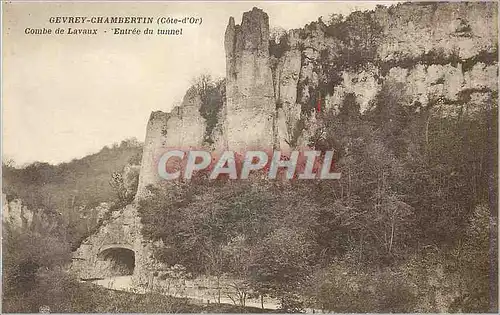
{"points": [[124, 283]]}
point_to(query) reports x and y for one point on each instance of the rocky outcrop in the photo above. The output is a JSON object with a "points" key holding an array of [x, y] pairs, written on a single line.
{"points": [[182, 128], [431, 53], [15, 214], [18, 216], [155, 140], [414, 29], [286, 79], [101, 253], [421, 83], [130, 177], [250, 102], [248, 115], [437, 52]]}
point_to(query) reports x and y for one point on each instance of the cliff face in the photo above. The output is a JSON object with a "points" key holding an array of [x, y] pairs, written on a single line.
{"points": [[250, 104], [18, 216], [183, 127], [247, 117], [413, 29], [122, 231], [14, 213], [439, 54]]}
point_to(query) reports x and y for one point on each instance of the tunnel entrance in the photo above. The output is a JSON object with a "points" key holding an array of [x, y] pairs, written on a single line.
{"points": [[117, 261]]}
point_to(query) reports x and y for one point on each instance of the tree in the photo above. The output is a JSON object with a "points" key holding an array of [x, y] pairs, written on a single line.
{"points": [[27, 252], [280, 266], [116, 182], [212, 93]]}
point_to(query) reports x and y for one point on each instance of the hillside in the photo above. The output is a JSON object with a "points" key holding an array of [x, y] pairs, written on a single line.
{"points": [[407, 97], [80, 183], [71, 193]]}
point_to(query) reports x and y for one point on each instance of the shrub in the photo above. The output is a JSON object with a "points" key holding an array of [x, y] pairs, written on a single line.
{"points": [[212, 94], [277, 48]]}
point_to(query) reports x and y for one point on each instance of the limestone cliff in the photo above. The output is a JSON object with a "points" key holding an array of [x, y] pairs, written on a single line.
{"points": [[250, 103], [442, 54], [183, 127], [247, 117], [121, 231], [15, 214], [274, 94]]}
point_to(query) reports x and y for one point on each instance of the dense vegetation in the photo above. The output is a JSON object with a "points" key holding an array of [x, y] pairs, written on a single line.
{"points": [[34, 275], [212, 94], [406, 229], [63, 294], [71, 190], [81, 182], [62, 198], [410, 226]]}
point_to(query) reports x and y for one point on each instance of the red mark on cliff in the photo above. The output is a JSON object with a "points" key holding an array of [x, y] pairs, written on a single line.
{"points": [[318, 107]]}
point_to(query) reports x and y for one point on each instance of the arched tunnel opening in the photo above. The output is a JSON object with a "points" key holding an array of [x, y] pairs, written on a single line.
{"points": [[117, 261]]}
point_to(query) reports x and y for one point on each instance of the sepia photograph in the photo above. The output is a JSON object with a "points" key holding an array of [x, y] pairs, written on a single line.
{"points": [[249, 157]]}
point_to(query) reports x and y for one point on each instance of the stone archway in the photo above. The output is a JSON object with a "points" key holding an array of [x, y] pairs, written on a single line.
{"points": [[117, 261]]}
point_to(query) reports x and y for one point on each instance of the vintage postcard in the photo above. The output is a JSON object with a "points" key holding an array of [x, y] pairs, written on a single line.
{"points": [[249, 157]]}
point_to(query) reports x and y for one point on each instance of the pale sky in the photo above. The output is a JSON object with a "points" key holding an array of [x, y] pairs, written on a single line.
{"points": [[67, 96]]}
